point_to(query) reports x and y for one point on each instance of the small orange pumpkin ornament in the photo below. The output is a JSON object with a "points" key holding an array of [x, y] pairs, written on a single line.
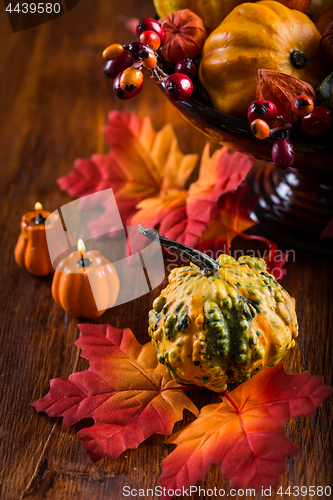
{"points": [[85, 285], [185, 35], [31, 252]]}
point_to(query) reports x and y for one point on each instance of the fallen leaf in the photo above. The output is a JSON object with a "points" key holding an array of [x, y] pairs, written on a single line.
{"points": [[125, 390], [152, 212], [281, 89], [245, 432], [147, 155], [186, 215], [234, 217], [328, 231], [275, 261], [142, 163], [87, 177], [220, 173]]}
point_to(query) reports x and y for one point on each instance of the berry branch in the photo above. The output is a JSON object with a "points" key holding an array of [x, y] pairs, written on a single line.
{"points": [[126, 62], [313, 120]]}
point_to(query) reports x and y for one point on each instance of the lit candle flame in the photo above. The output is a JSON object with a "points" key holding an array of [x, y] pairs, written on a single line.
{"points": [[38, 206], [81, 247]]}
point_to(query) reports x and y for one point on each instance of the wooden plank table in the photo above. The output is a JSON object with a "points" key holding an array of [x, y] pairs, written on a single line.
{"points": [[54, 102]]}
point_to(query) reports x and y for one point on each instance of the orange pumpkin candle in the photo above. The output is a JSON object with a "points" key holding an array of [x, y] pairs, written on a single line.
{"points": [[31, 250], [85, 284]]}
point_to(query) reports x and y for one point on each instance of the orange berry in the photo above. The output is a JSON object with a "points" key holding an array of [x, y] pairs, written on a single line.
{"points": [[150, 61], [130, 79], [113, 51], [150, 38], [260, 129], [302, 105]]}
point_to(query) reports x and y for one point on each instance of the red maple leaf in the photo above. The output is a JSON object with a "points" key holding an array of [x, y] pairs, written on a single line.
{"points": [[328, 231], [234, 217], [275, 261], [219, 174], [125, 390], [245, 432]]}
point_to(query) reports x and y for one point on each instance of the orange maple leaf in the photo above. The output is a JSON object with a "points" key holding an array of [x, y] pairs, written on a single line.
{"points": [[187, 215], [125, 390], [245, 433], [141, 164]]}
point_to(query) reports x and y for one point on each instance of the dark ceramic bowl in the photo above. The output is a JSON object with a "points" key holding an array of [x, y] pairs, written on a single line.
{"points": [[295, 205], [312, 153]]}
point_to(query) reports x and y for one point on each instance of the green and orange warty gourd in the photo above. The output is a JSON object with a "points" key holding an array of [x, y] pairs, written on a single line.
{"points": [[220, 322], [261, 35]]}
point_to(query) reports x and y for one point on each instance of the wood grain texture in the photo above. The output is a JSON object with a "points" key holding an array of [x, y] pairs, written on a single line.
{"points": [[54, 102]]}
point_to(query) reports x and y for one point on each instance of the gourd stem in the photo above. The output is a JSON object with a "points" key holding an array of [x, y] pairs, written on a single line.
{"points": [[203, 261]]}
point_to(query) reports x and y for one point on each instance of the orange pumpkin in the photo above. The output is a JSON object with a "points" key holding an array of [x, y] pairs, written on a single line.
{"points": [[261, 35], [213, 12], [31, 251], [78, 289]]}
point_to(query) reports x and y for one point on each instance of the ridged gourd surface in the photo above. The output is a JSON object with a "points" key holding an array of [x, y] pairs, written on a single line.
{"points": [[221, 329]]}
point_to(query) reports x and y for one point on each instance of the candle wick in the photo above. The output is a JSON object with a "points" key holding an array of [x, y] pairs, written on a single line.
{"points": [[40, 219], [82, 260]]}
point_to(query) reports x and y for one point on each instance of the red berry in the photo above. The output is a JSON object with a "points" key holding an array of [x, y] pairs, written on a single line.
{"points": [[140, 52], [150, 38], [283, 154], [260, 129], [265, 110], [148, 24], [187, 67], [123, 94], [302, 105], [115, 66], [178, 87], [318, 122]]}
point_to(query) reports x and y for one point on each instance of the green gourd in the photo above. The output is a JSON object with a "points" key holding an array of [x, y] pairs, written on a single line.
{"points": [[324, 93], [219, 322]]}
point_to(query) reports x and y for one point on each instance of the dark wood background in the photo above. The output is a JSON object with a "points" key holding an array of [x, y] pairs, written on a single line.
{"points": [[54, 102]]}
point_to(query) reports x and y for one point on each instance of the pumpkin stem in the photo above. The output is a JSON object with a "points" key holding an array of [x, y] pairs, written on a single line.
{"points": [[298, 59], [205, 263]]}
